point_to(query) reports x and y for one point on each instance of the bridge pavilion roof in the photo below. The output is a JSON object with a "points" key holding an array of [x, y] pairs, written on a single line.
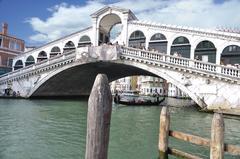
{"points": [[107, 8]]}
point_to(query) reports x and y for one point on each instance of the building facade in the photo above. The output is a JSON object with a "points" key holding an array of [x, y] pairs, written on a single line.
{"points": [[9, 48], [151, 85], [147, 85]]}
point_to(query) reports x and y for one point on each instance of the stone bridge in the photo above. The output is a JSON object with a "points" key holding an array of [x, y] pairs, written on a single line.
{"points": [[68, 66], [210, 85]]}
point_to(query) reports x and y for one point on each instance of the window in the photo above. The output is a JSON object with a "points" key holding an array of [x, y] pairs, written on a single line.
{"points": [[12, 45], [0, 41], [10, 62], [181, 40], [17, 46], [232, 48], [158, 36]]}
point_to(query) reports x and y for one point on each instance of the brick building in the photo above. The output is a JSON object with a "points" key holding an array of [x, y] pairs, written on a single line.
{"points": [[9, 47]]}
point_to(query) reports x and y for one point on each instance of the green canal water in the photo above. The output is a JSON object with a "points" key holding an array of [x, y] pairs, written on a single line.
{"points": [[56, 129]]}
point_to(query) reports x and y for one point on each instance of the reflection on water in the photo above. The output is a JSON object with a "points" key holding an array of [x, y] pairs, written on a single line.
{"points": [[56, 129]]}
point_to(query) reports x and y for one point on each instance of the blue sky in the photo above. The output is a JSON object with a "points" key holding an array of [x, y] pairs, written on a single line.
{"points": [[17, 12], [40, 21]]}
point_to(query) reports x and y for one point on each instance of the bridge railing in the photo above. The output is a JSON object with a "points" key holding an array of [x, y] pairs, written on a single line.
{"points": [[181, 61], [141, 55], [37, 65]]}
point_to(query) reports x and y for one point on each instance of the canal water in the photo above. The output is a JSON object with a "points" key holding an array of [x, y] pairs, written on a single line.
{"points": [[56, 129]]}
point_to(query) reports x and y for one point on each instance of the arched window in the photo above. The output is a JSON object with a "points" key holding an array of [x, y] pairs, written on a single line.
{"points": [[30, 60], [181, 47], [1, 41], [206, 51], [158, 42], [137, 39], [69, 46], [55, 51], [84, 41], [18, 65], [231, 55], [42, 56]]}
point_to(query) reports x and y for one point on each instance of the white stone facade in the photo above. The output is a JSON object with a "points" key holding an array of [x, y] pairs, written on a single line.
{"points": [[206, 83]]}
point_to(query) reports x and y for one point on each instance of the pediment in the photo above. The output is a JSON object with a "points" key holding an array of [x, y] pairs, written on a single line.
{"points": [[105, 9]]}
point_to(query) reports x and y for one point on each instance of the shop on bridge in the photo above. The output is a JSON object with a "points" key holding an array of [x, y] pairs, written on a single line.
{"points": [[42, 56], [181, 47], [30, 60], [231, 55], [206, 51], [18, 65], [137, 40], [84, 41], [158, 42], [55, 51], [69, 46]]}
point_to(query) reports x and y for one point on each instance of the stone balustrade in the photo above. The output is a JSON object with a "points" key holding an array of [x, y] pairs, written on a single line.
{"points": [[137, 54], [193, 65], [44, 65]]}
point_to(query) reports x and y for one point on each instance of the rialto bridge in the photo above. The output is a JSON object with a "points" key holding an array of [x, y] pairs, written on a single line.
{"points": [[192, 59]]}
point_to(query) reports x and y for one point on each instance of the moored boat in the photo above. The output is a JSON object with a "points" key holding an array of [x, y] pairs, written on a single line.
{"points": [[133, 98]]}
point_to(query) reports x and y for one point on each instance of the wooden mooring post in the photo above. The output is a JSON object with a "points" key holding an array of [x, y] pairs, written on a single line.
{"points": [[164, 131], [98, 119], [215, 144], [217, 137]]}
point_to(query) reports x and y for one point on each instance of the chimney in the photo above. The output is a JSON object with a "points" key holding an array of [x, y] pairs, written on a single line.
{"points": [[5, 28]]}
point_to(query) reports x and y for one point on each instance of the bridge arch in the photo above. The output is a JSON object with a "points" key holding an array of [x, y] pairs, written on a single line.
{"points": [[158, 42], [30, 60], [69, 46], [205, 51], [51, 83], [18, 65], [230, 55], [55, 51], [181, 46], [137, 39], [42, 56], [84, 41]]}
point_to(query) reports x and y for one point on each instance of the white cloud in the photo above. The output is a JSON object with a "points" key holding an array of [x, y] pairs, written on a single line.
{"points": [[66, 18]]}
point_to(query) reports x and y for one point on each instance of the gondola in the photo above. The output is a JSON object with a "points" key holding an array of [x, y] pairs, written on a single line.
{"points": [[134, 99]]}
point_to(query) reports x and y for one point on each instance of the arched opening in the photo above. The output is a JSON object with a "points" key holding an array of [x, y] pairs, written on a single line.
{"points": [[85, 74], [181, 47], [115, 32], [18, 65], [84, 41], [106, 24], [137, 40], [231, 55], [69, 46], [158, 42], [55, 51], [206, 51], [30, 60], [42, 56]]}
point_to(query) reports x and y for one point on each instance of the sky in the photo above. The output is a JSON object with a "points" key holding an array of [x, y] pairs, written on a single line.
{"points": [[41, 21]]}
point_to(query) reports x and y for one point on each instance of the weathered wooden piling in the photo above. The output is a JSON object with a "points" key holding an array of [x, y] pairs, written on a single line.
{"points": [[98, 120], [164, 132], [217, 137]]}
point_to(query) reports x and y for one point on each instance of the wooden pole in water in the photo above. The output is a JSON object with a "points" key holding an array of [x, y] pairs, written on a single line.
{"points": [[217, 137], [164, 132], [99, 118]]}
